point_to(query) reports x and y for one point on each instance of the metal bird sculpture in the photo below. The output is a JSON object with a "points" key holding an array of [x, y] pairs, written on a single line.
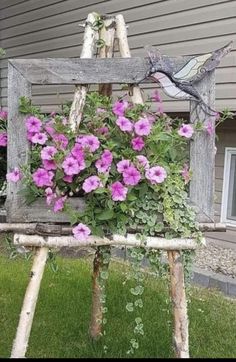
{"points": [[180, 84]]}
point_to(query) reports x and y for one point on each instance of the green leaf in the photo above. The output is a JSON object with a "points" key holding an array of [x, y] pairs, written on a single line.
{"points": [[131, 197], [104, 275], [123, 206], [100, 190], [130, 307], [110, 204], [106, 215], [138, 303], [138, 320]]}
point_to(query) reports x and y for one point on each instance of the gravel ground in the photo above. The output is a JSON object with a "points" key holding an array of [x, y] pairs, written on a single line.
{"points": [[217, 259]]}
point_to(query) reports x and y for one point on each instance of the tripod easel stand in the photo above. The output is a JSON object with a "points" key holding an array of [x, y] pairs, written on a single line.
{"points": [[56, 236]]}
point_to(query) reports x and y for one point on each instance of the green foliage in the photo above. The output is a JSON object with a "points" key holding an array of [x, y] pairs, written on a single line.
{"points": [[26, 107]]}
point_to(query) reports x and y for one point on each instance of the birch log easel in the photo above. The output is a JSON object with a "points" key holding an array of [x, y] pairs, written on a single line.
{"points": [[45, 235]]}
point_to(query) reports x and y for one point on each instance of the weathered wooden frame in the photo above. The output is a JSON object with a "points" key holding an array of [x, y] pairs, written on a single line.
{"points": [[43, 235], [23, 73]]}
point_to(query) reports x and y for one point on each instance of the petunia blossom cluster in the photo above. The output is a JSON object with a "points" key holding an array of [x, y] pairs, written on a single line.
{"points": [[107, 159]]}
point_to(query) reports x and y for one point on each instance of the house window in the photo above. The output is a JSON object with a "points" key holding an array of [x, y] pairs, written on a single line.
{"points": [[229, 187]]}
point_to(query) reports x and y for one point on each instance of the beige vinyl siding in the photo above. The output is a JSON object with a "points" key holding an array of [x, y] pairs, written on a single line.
{"points": [[49, 28]]}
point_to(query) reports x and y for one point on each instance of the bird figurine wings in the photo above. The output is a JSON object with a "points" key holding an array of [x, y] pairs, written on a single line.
{"points": [[180, 84]]}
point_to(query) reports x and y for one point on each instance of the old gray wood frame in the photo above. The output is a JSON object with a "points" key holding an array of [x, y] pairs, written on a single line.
{"points": [[23, 73]]}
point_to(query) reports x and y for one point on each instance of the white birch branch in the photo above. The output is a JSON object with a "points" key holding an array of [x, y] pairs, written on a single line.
{"points": [[129, 240], [121, 33], [178, 295], [27, 312], [90, 36]]}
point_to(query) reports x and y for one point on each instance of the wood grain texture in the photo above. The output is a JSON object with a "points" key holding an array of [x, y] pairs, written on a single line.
{"points": [[38, 211], [88, 71], [18, 150], [202, 155], [60, 229]]}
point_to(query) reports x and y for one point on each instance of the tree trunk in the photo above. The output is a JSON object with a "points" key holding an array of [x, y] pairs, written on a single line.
{"points": [[179, 302]]}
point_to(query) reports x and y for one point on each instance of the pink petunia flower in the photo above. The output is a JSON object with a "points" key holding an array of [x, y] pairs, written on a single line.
{"points": [[14, 175], [103, 130], [50, 195], [39, 138], [142, 127], [137, 143], [49, 165], [3, 115], [102, 165], [151, 119], [70, 166], [186, 173], [77, 152], [81, 232], [156, 174], [61, 140], [3, 139], [118, 191], [123, 165], [49, 129], [90, 142], [91, 183], [131, 176], [120, 107], [143, 161], [68, 178], [30, 135], [33, 124], [210, 128], [42, 177], [59, 204], [82, 164], [107, 156], [124, 124], [186, 130], [48, 152]]}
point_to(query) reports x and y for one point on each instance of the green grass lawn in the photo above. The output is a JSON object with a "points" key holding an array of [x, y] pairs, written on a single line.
{"points": [[60, 327]]}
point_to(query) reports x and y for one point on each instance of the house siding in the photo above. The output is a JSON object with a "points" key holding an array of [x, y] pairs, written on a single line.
{"points": [[226, 138], [49, 28]]}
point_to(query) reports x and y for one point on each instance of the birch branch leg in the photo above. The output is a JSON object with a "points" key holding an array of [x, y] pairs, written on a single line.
{"points": [[90, 36], [107, 34], [20, 343], [100, 264], [181, 337], [121, 33]]}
